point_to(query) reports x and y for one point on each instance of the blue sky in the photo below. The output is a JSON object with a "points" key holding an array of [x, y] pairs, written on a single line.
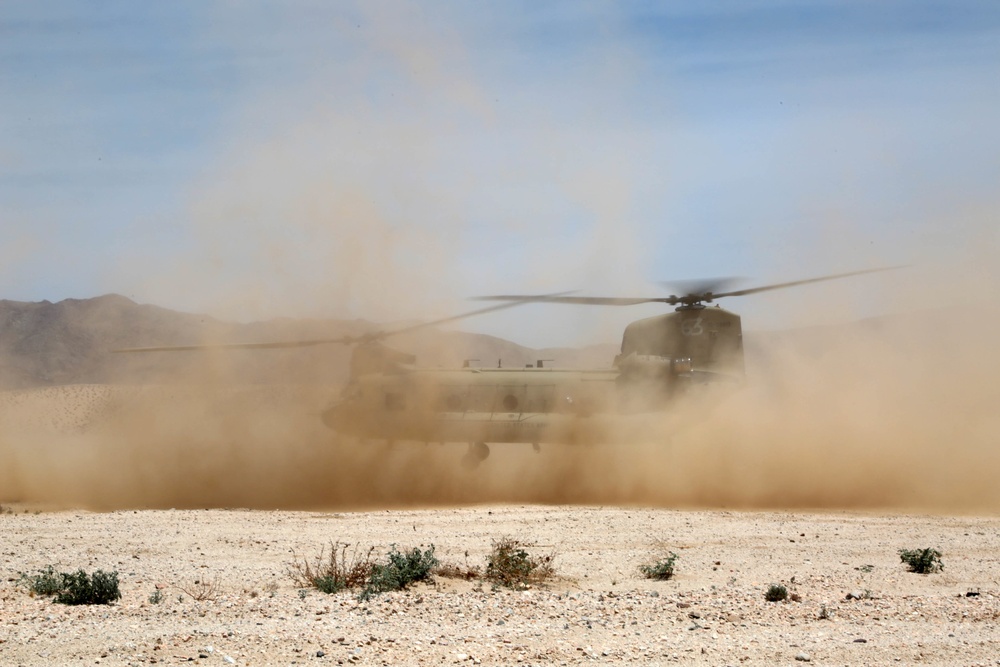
{"points": [[387, 160]]}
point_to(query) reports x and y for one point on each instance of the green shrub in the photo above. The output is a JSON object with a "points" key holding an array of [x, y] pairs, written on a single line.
{"points": [[776, 593], [662, 569], [47, 582], [82, 588], [401, 570], [922, 561], [329, 584], [74, 587], [509, 565], [340, 572], [156, 597]]}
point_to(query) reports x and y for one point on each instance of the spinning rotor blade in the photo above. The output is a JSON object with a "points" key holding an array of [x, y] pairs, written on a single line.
{"points": [[346, 340], [701, 293], [580, 300], [480, 311], [704, 286], [343, 340], [767, 288]]}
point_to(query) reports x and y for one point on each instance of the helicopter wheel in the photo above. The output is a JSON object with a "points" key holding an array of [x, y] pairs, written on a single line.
{"points": [[478, 452]]}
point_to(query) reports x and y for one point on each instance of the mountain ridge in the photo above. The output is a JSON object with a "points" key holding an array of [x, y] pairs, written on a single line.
{"points": [[45, 343]]}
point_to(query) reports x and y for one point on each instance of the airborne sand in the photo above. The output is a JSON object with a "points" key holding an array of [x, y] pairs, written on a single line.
{"points": [[896, 415]]}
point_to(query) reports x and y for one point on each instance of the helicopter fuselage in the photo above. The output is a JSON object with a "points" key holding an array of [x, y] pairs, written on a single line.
{"points": [[662, 359]]}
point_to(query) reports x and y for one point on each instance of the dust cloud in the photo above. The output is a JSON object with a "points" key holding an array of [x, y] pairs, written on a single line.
{"points": [[897, 412], [371, 210]]}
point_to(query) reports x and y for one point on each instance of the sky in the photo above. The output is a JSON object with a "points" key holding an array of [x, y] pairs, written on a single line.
{"points": [[388, 160]]}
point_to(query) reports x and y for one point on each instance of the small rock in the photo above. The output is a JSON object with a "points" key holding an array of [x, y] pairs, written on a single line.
{"points": [[802, 657], [461, 657], [860, 640], [320, 654]]}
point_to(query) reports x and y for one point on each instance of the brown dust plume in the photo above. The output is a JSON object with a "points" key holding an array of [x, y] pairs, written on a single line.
{"points": [[894, 412]]}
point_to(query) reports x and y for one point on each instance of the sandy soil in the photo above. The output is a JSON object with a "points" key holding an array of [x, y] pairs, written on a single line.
{"points": [[598, 609]]}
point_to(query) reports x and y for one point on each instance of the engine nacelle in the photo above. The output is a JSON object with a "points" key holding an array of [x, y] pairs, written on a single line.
{"points": [[652, 366]]}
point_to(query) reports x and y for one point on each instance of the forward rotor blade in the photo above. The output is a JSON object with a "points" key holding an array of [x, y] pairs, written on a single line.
{"points": [[343, 340], [768, 288]]}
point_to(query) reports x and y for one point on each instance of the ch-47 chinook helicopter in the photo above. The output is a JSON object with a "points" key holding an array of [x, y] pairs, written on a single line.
{"points": [[663, 358]]}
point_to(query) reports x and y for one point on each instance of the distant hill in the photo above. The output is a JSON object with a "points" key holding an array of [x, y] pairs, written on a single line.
{"points": [[70, 342]]}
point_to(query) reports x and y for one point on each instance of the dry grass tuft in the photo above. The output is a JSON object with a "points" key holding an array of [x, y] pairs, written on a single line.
{"points": [[334, 572], [511, 566], [202, 590]]}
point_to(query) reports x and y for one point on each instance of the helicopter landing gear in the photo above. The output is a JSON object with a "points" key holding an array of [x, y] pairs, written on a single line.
{"points": [[477, 453]]}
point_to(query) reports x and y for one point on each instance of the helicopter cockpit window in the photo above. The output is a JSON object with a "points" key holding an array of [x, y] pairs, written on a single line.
{"points": [[395, 401], [510, 403]]}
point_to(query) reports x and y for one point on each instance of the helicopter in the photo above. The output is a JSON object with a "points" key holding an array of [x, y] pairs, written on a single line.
{"points": [[696, 348]]}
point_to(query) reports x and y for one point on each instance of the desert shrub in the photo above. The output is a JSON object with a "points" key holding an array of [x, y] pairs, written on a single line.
{"points": [[156, 597], [402, 569], [662, 569], [510, 565], [328, 584], [776, 593], [47, 582], [202, 590], [82, 588], [74, 587], [336, 572], [922, 561]]}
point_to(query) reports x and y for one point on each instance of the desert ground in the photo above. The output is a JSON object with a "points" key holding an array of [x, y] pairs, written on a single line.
{"points": [[598, 608], [206, 499]]}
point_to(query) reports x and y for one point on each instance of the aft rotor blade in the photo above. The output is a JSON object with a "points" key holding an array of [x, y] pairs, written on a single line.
{"points": [[689, 298], [580, 300], [702, 286], [514, 301], [768, 288]]}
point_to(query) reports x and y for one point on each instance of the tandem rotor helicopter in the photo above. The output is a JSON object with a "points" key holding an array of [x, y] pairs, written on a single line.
{"points": [[663, 358]]}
